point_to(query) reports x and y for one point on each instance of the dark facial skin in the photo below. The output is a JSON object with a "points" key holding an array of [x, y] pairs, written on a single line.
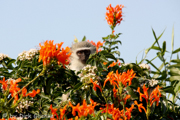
{"points": [[83, 55]]}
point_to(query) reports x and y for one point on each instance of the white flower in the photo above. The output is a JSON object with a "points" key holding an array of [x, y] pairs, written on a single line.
{"points": [[27, 55], [153, 82], [3, 56], [145, 66]]}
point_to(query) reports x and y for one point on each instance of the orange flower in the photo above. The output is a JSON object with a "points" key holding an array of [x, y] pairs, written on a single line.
{"points": [[13, 118], [13, 89], [125, 99], [114, 63], [128, 111], [62, 112], [76, 118], [33, 93], [75, 108], [49, 51], [155, 96], [116, 113], [124, 78], [140, 106], [145, 95], [4, 84], [24, 91], [95, 84], [114, 15], [98, 45], [104, 63], [115, 91], [53, 111], [84, 109]]}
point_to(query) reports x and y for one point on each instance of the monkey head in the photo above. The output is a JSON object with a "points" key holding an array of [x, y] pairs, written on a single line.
{"points": [[80, 54]]}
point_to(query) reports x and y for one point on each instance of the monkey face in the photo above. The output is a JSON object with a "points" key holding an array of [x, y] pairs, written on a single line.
{"points": [[83, 55]]}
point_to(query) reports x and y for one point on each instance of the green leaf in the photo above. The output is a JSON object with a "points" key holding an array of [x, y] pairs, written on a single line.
{"points": [[168, 89], [164, 47], [177, 87], [131, 92], [175, 61], [175, 51], [174, 71], [77, 86], [172, 78], [174, 65], [156, 39], [84, 38], [155, 48], [153, 65], [157, 75], [45, 97]]}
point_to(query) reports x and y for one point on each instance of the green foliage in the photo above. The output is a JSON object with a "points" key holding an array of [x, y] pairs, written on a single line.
{"points": [[54, 80]]}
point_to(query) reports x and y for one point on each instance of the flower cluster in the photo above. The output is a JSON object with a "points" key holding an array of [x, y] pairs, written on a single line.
{"points": [[12, 118], [117, 78], [153, 82], [98, 45], [116, 113], [27, 55], [114, 15], [88, 72], [82, 111], [145, 66], [54, 113], [24, 104], [49, 51], [153, 97], [3, 56], [13, 89]]}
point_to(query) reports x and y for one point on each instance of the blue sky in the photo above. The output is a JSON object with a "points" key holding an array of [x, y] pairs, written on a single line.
{"points": [[26, 23]]}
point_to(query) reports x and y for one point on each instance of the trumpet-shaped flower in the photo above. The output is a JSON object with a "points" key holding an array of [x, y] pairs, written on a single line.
{"points": [[53, 111], [95, 85], [114, 63], [116, 113], [33, 93], [84, 109], [117, 78], [62, 112], [4, 84], [49, 51], [140, 106], [154, 95], [114, 15]]}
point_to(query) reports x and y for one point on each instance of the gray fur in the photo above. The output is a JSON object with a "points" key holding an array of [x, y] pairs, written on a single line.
{"points": [[75, 63]]}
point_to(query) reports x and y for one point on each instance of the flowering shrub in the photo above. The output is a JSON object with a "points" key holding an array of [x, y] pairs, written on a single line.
{"points": [[105, 89]]}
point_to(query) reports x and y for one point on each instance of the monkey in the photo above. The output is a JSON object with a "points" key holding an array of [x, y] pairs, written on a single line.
{"points": [[80, 54]]}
